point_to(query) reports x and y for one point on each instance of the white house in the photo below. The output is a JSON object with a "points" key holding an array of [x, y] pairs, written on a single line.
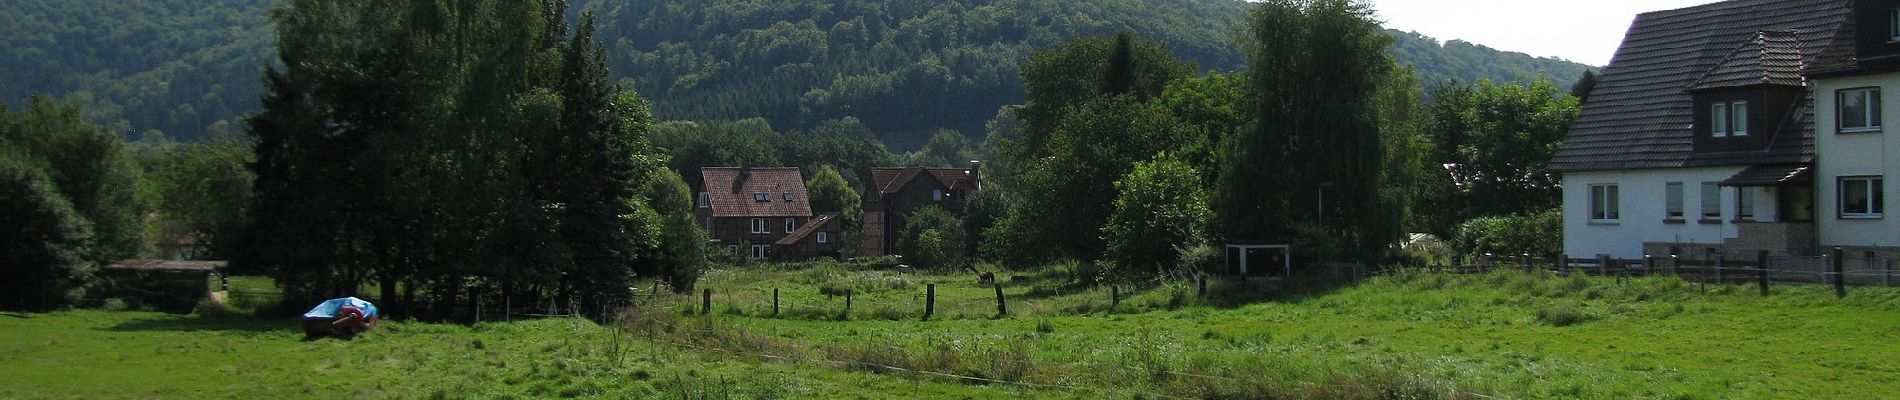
{"points": [[1855, 152], [1701, 135]]}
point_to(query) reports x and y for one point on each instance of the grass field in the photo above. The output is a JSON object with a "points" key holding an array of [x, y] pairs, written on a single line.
{"points": [[1497, 335]]}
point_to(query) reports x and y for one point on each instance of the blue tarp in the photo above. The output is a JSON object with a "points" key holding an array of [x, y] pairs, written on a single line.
{"points": [[329, 308]]}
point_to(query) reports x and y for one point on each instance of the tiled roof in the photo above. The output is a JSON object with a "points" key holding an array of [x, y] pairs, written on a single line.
{"points": [[807, 229], [165, 265], [1770, 175], [1770, 58], [731, 191], [892, 180], [1641, 116]]}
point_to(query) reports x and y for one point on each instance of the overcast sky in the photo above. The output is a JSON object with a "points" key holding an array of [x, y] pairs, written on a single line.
{"points": [[1581, 31]]}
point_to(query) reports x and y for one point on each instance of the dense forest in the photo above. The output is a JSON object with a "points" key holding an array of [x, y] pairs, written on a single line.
{"points": [[905, 69]]}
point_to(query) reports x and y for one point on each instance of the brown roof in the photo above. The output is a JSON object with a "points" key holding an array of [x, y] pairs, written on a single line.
{"points": [[165, 265], [807, 229], [892, 180], [732, 192], [1640, 114]]}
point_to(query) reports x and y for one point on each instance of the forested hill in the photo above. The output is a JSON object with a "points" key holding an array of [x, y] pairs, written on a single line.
{"points": [[906, 68]]}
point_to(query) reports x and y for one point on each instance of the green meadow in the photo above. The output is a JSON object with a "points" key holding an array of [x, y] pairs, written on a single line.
{"points": [[1400, 335]]}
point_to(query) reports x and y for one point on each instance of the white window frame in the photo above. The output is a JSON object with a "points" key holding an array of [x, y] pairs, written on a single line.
{"points": [[759, 226], [1870, 118], [1605, 203], [759, 251], [1673, 201], [1728, 118], [705, 199], [791, 224], [1872, 188], [1711, 201], [936, 194], [822, 239]]}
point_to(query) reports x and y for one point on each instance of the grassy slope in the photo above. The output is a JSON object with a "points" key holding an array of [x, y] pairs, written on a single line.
{"points": [[1504, 334]]}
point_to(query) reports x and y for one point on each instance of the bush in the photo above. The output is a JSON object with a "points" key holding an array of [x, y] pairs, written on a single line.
{"points": [[1537, 233], [44, 240], [1564, 313]]}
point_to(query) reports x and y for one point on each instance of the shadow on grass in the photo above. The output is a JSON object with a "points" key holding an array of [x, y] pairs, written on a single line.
{"points": [[204, 323]]}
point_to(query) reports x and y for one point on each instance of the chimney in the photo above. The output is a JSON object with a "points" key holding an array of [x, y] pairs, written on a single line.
{"points": [[976, 175]]}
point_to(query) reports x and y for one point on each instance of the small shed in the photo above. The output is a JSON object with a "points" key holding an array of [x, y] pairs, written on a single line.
{"points": [[1257, 259], [168, 285]]}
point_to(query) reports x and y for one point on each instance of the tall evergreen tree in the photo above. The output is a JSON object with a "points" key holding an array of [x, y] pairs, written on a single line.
{"points": [[1311, 166]]}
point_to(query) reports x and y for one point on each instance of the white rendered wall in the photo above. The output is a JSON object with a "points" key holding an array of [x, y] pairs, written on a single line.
{"points": [[1855, 154], [1643, 208]]}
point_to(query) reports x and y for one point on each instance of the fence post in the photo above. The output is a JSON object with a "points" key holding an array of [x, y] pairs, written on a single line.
{"points": [[1524, 260], [1721, 261], [775, 302], [930, 300], [1200, 285], [1114, 297], [847, 302], [1840, 284], [1001, 307], [1761, 263], [508, 307], [705, 301], [1887, 279]]}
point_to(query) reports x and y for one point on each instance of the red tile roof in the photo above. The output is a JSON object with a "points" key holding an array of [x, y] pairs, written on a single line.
{"points": [[806, 230], [732, 191]]}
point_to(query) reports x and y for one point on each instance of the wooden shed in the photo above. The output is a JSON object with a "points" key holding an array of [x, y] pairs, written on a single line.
{"points": [[173, 286]]}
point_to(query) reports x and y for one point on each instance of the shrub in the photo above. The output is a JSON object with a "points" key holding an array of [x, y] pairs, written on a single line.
{"points": [[1535, 233], [1564, 313]]}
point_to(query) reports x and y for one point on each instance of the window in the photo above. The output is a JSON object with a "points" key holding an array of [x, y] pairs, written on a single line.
{"points": [[1672, 193], [1711, 201], [1744, 204], [758, 226], [758, 251], [1859, 110], [705, 199], [1603, 203], [1893, 24], [936, 194], [732, 250], [1860, 197], [761, 197], [790, 224], [788, 197], [822, 238], [1728, 118]]}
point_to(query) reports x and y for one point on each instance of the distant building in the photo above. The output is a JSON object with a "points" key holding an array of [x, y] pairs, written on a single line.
{"points": [[896, 192], [762, 213], [1738, 127]]}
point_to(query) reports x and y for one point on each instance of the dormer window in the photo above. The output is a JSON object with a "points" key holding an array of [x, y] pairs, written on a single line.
{"points": [[761, 197], [1728, 118], [788, 197], [1859, 110]]}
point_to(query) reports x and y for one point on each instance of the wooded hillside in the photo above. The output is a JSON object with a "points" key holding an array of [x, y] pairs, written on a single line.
{"points": [[905, 69]]}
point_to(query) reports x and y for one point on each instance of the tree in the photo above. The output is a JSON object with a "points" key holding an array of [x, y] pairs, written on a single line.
{"points": [[1581, 89], [1498, 140], [91, 168], [1160, 208], [203, 190], [43, 249], [932, 238], [830, 193], [1315, 68], [682, 244], [947, 148]]}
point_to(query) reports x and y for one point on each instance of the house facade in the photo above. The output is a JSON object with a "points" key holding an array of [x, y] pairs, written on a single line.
{"points": [[1700, 138], [1853, 160], [896, 192], [752, 212]]}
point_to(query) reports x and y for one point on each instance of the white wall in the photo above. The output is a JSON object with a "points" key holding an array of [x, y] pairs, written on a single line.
{"points": [[1850, 154], [1643, 208]]}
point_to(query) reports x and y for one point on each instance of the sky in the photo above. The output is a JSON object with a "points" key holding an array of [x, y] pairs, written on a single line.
{"points": [[1581, 31]]}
